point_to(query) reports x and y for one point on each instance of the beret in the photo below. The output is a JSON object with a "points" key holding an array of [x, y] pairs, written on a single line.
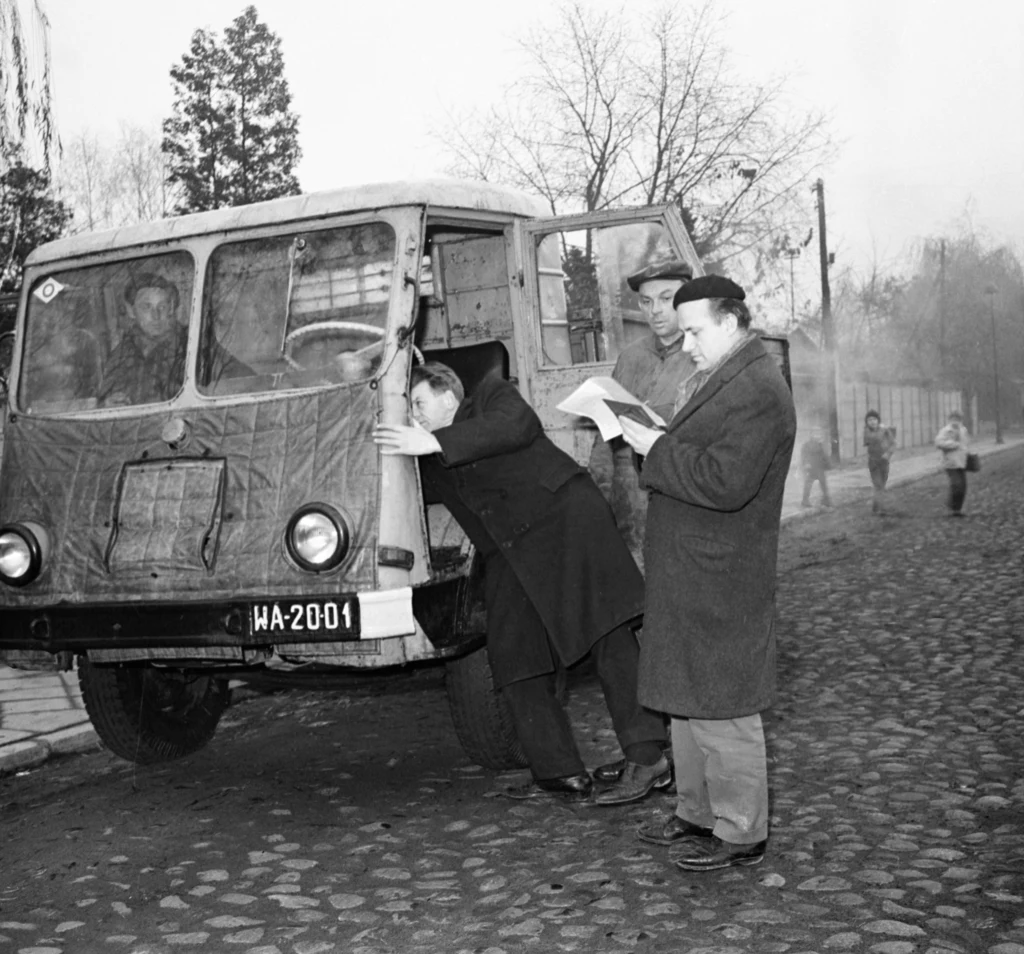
{"points": [[665, 271], [708, 286]]}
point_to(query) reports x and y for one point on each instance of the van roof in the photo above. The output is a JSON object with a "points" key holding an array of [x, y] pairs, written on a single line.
{"points": [[437, 193]]}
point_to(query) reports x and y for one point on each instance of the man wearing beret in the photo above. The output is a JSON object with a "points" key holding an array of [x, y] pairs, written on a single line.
{"points": [[707, 657], [651, 368]]}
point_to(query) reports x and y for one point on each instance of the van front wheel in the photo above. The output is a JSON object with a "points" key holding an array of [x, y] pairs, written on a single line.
{"points": [[147, 714], [481, 716]]}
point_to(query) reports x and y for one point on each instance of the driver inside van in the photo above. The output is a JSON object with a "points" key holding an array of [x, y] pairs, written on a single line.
{"points": [[148, 363]]}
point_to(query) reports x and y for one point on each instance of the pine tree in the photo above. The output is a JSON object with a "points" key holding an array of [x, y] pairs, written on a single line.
{"points": [[232, 138], [29, 216]]}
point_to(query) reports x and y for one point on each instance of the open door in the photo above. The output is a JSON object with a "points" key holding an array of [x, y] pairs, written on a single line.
{"points": [[577, 312]]}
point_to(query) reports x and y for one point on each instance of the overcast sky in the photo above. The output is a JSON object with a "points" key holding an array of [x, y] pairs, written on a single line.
{"points": [[927, 95]]}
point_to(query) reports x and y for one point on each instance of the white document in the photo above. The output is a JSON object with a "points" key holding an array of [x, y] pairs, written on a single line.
{"points": [[591, 399]]}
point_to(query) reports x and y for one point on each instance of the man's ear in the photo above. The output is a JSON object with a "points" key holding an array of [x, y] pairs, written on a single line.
{"points": [[451, 402]]}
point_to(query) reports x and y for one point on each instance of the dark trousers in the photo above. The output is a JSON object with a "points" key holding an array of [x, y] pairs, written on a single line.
{"points": [[810, 476], [542, 723], [879, 471], [957, 488]]}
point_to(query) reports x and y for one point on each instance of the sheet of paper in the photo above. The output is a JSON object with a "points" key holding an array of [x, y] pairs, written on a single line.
{"points": [[589, 400]]}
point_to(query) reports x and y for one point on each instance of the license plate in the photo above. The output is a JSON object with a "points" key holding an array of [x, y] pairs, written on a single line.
{"points": [[305, 617]]}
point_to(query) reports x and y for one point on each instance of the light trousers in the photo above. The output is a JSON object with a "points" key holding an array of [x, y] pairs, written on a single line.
{"points": [[722, 776]]}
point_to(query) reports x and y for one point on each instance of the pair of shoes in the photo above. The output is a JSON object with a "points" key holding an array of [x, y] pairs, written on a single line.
{"points": [[671, 831], [570, 788], [710, 854], [637, 782]]}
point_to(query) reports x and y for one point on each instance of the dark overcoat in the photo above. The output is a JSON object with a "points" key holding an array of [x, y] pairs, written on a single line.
{"points": [[716, 479], [529, 508]]}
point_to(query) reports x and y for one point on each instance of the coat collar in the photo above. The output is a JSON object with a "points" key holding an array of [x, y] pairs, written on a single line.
{"points": [[748, 352]]}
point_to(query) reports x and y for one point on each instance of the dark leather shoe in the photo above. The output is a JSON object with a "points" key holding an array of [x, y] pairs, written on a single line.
{"points": [[570, 788], [671, 831], [710, 854], [637, 782], [612, 772]]}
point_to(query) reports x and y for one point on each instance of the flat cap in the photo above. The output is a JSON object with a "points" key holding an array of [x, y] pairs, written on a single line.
{"points": [[708, 286], [665, 271]]}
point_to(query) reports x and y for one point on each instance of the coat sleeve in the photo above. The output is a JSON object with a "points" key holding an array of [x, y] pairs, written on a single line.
{"points": [[725, 473], [499, 422]]}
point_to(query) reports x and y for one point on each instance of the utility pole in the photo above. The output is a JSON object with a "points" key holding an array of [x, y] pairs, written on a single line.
{"points": [[827, 332], [942, 308], [791, 254], [991, 292]]}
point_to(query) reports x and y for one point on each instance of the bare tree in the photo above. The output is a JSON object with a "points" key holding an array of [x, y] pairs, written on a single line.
{"points": [[620, 110], [117, 184]]}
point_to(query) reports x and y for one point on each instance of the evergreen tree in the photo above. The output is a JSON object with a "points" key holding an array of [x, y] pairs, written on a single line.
{"points": [[232, 138], [29, 216]]}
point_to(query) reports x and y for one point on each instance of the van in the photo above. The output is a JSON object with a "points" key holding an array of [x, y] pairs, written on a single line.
{"points": [[189, 488]]}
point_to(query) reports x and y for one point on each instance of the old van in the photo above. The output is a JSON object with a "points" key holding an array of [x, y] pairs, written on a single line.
{"points": [[189, 488]]}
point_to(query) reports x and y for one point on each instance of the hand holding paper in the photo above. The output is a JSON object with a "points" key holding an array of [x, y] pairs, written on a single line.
{"points": [[604, 400]]}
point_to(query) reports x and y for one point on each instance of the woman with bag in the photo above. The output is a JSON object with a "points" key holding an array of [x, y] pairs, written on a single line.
{"points": [[954, 440]]}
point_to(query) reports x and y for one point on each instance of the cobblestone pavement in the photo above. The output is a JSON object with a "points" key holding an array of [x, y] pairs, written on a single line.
{"points": [[353, 824]]}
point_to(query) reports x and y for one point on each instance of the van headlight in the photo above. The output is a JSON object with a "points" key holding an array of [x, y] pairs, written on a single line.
{"points": [[317, 537], [23, 548]]}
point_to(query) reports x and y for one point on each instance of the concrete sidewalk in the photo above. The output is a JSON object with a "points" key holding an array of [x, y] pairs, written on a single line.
{"points": [[42, 714]]}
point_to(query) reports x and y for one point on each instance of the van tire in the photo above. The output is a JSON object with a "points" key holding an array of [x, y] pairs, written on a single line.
{"points": [[480, 715], [149, 715]]}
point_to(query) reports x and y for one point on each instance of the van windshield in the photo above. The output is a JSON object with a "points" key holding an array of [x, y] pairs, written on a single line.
{"points": [[297, 310], [108, 335]]}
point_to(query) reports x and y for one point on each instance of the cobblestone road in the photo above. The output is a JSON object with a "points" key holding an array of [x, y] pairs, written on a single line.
{"points": [[317, 823]]}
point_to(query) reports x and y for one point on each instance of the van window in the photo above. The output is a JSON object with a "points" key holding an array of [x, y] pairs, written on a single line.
{"points": [[108, 335], [296, 310], [587, 311]]}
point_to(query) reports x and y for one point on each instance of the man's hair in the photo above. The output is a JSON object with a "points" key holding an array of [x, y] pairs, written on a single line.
{"points": [[439, 376], [873, 414], [150, 280], [721, 308]]}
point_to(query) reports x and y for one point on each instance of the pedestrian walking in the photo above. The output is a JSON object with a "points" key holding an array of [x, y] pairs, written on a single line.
{"points": [[954, 442], [814, 463], [880, 441], [707, 658]]}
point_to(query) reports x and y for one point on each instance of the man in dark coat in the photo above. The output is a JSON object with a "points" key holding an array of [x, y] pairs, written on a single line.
{"points": [[716, 478], [559, 581]]}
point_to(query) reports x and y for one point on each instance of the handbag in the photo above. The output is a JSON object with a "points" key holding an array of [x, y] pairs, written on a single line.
{"points": [[973, 463]]}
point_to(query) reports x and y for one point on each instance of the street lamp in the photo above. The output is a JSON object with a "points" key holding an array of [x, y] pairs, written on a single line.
{"points": [[991, 291]]}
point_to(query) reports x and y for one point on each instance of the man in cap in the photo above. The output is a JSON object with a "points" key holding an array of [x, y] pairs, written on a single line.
{"points": [[148, 364], [651, 368], [707, 658]]}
